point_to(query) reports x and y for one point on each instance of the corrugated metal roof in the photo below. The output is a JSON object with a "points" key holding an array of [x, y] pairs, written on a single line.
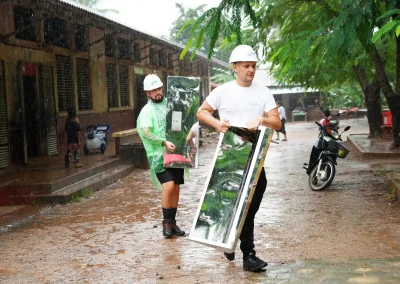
{"points": [[150, 36]]}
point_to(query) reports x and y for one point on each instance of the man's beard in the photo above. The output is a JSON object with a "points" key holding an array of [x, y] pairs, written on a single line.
{"points": [[157, 100]]}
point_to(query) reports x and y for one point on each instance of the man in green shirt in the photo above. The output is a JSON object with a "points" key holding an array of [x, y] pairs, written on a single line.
{"points": [[151, 126]]}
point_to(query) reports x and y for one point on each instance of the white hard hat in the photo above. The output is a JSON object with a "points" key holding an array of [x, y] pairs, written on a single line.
{"points": [[243, 53], [152, 82]]}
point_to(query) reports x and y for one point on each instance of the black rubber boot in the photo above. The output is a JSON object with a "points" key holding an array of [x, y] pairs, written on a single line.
{"points": [[175, 229], [252, 263], [167, 222], [167, 228]]}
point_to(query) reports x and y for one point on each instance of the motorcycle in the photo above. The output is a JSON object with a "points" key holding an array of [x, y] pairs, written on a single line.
{"points": [[321, 168]]}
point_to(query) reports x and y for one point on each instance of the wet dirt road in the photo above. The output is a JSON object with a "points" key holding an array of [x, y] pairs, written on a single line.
{"points": [[115, 235]]}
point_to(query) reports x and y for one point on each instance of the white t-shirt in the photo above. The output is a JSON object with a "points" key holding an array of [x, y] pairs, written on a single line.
{"points": [[282, 112], [240, 104]]}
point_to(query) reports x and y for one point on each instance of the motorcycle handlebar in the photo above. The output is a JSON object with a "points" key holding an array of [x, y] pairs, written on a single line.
{"points": [[320, 125]]}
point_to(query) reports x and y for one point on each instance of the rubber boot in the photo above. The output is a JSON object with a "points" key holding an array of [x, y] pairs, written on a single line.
{"points": [[167, 228], [175, 229], [167, 222]]}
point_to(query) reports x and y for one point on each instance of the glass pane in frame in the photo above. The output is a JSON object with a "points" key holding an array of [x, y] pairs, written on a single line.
{"points": [[229, 187], [183, 95]]}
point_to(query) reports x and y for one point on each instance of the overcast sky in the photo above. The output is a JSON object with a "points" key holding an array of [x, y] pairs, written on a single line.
{"points": [[151, 16]]}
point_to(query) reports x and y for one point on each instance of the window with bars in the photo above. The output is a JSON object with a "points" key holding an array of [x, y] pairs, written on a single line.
{"points": [[165, 80], [109, 46], [124, 85], [137, 53], [83, 83], [153, 56], [112, 91], [185, 65], [64, 82], [139, 94], [170, 61], [123, 49], [56, 32], [24, 24], [163, 59], [80, 38], [4, 140]]}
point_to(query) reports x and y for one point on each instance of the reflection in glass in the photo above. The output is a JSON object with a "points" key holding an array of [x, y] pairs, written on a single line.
{"points": [[183, 94], [218, 220]]}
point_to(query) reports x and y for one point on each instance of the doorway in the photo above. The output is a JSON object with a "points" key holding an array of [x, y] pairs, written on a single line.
{"points": [[31, 114], [140, 96], [31, 110]]}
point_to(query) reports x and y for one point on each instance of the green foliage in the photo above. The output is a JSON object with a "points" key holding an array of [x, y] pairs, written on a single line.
{"points": [[314, 44], [391, 194], [343, 97], [388, 27], [187, 21], [181, 32], [83, 193], [221, 76]]}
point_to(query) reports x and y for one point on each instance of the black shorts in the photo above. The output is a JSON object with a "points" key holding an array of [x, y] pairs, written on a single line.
{"points": [[171, 174]]}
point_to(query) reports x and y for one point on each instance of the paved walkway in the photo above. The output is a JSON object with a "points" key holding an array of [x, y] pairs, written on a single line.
{"points": [[375, 147], [384, 270], [378, 148], [332, 271]]}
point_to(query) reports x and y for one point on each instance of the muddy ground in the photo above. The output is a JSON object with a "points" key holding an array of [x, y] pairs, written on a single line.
{"points": [[115, 236]]}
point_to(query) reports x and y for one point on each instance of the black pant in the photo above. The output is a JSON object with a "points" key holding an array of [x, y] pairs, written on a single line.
{"points": [[282, 130], [247, 235]]}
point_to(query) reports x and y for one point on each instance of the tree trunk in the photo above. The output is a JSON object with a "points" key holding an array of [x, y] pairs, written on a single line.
{"points": [[372, 101], [374, 111], [394, 106], [392, 98]]}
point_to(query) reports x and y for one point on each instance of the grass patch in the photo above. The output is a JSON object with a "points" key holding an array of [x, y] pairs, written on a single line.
{"points": [[386, 171], [83, 193], [391, 193]]}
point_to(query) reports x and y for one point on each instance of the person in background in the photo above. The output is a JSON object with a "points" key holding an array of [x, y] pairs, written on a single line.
{"points": [[243, 102], [73, 136], [151, 126], [282, 117], [327, 118], [192, 139]]}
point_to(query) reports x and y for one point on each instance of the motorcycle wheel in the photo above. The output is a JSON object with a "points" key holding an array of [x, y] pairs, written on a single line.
{"points": [[316, 183]]}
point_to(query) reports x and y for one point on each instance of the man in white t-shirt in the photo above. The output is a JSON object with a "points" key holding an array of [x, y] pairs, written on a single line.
{"points": [[243, 103], [282, 117]]}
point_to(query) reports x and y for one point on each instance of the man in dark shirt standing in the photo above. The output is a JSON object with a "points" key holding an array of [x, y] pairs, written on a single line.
{"points": [[73, 131]]}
